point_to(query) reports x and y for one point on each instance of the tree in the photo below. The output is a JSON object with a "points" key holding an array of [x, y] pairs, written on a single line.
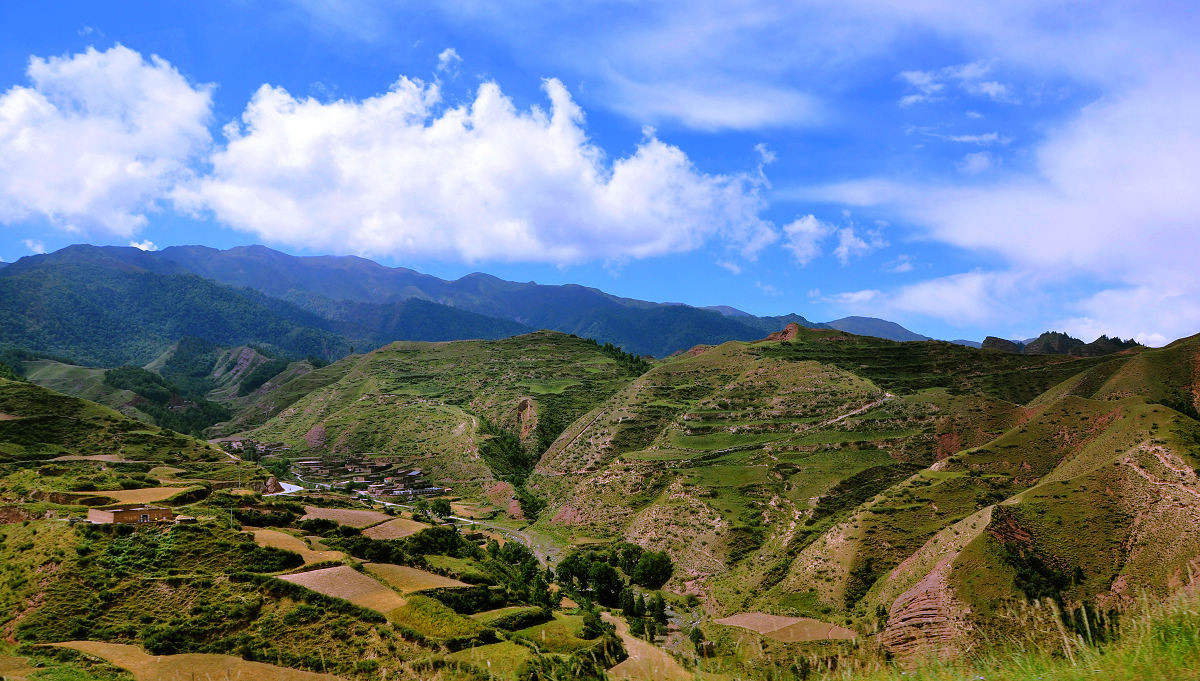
{"points": [[696, 636], [605, 582], [592, 627], [637, 627], [658, 609], [630, 554], [441, 508], [639, 606], [653, 569], [627, 601]]}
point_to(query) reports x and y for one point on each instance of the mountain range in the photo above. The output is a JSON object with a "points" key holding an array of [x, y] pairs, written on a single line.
{"points": [[69, 302]]}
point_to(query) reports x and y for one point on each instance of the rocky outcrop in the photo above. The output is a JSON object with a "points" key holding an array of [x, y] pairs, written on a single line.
{"points": [[788, 333], [1054, 343], [926, 621], [993, 343], [527, 416]]}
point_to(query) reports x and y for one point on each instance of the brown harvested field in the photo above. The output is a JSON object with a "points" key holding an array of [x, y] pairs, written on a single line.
{"points": [[9, 417], [148, 495], [811, 630], [350, 517], [787, 629], [191, 666], [396, 528], [287, 542], [345, 582], [757, 621], [410, 579]]}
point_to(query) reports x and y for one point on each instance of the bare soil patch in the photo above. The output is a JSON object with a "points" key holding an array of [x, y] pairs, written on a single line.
{"points": [[396, 528], [189, 666], [410, 579], [7, 417], [347, 583], [346, 516]]}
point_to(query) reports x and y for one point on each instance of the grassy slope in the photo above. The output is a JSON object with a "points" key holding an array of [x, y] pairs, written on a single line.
{"points": [[83, 382], [689, 459], [425, 399], [51, 424]]}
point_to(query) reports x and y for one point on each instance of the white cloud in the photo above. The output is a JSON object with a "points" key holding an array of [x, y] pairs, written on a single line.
{"points": [[804, 236], [448, 61], [993, 89], [97, 138], [768, 289], [974, 114], [731, 266], [714, 106], [973, 164], [982, 140], [902, 263], [34, 246], [853, 298], [394, 174], [146, 245], [850, 244], [1151, 315], [931, 85]]}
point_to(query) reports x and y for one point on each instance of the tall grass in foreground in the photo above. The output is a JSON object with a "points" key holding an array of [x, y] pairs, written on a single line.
{"points": [[1161, 642]]}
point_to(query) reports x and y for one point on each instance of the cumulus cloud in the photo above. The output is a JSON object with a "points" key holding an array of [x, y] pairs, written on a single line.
{"points": [[34, 246], [145, 245], [851, 244], [96, 138], [397, 174], [448, 61], [804, 236]]}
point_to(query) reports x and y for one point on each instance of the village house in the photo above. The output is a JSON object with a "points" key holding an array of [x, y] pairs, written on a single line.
{"points": [[130, 515]]}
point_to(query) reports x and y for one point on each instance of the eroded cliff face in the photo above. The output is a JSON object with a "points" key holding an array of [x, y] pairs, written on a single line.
{"points": [[927, 620]]}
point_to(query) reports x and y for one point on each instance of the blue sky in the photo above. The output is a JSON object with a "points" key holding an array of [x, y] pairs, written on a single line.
{"points": [[964, 169]]}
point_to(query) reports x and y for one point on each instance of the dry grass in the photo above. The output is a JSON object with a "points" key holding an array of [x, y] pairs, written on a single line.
{"points": [[645, 661], [395, 528], [346, 516], [148, 495], [191, 666], [498, 659], [287, 542], [14, 668], [347, 583], [409, 579], [787, 629], [106, 458]]}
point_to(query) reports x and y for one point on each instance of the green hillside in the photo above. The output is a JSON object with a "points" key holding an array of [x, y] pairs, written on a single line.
{"points": [[468, 412], [39, 424]]}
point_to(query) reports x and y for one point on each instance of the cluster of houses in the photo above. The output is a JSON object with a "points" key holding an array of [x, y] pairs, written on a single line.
{"points": [[243, 445], [382, 478]]}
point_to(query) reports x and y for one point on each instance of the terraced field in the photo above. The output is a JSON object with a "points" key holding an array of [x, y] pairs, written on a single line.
{"points": [[349, 584], [189, 667]]}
